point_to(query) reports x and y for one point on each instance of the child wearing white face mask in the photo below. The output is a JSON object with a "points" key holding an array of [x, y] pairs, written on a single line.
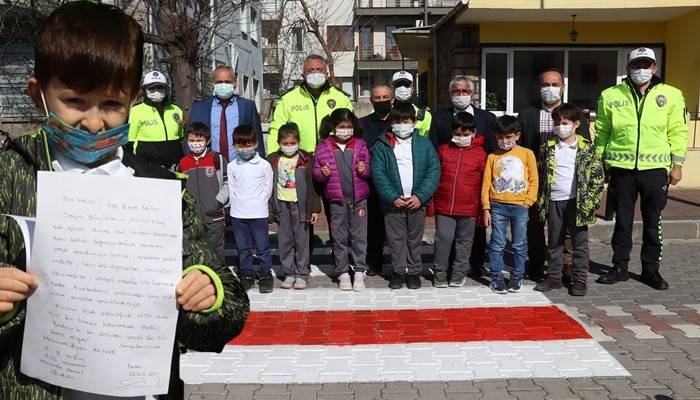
{"points": [[457, 199], [342, 167], [294, 205], [406, 172], [206, 181], [571, 181]]}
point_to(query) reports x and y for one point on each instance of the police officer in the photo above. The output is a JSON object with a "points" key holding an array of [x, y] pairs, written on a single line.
{"points": [[403, 91], [642, 136], [155, 132], [307, 104]]}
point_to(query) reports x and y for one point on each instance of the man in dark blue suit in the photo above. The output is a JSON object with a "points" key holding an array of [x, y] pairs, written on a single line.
{"points": [[461, 91], [224, 111]]}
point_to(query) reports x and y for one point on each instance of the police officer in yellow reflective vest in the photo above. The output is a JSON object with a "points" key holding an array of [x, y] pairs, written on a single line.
{"points": [[642, 136], [403, 91], [307, 104], [155, 132]]}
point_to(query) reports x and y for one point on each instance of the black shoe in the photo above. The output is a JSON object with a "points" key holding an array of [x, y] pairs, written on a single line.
{"points": [[579, 289], [548, 284], [655, 281], [247, 280], [396, 281], [616, 274], [413, 281], [536, 277], [371, 272], [440, 280], [266, 282]]}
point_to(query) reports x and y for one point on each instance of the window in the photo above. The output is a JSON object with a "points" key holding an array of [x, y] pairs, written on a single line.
{"points": [[366, 83], [245, 87], [392, 48], [509, 80], [244, 26], [340, 38], [366, 44], [297, 39], [256, 85]]}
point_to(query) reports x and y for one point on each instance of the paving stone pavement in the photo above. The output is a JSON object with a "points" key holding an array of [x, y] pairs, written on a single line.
{"points": [[654, 335]]}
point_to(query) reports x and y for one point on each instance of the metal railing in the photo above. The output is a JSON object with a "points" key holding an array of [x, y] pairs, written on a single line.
{"points": [[273, 59], [405, 3], [378, 53]]}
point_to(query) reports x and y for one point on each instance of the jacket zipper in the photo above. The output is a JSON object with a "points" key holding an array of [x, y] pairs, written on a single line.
{"points": [[454, 183], [313, 100], [162, 119], [639, 112]]}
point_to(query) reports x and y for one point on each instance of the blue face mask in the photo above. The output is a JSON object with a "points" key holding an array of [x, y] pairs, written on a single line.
{"points": [[247, 153], [224, 91], [83, 146]]}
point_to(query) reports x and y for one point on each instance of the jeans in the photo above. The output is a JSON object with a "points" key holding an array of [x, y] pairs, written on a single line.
{"points": [[249, 234], [517, 216]]}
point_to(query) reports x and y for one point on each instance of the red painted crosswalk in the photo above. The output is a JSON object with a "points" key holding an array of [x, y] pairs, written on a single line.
{"points": [[348, 327]]}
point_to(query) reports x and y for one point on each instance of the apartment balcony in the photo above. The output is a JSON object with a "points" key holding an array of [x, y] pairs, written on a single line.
{"points": [[403, 7], [381, 58]]}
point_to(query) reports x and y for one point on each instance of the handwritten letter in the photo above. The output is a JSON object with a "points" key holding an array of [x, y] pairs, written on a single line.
{"points": [[108, 254]]}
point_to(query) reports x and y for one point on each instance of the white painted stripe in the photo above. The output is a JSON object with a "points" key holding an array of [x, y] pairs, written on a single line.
{"points": [[400, 362], [657, 309], [386, 299]]}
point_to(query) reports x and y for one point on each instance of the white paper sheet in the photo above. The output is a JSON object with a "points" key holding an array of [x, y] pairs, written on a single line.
{"points": [[26, 225], [108, 254]]}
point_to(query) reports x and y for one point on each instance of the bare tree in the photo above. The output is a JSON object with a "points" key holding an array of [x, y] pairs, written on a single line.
{"points": [[188, 33]]}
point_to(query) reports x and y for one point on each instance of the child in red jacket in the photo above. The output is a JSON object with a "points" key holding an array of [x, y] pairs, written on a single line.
{"points": [[457, 199]]}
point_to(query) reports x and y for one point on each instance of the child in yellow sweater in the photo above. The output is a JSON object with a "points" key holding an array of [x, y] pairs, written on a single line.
{"points": [[509, 188]]}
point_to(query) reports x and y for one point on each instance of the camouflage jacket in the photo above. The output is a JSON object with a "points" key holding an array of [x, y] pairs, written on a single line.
{"points": [[589, 180], [20, 160]]}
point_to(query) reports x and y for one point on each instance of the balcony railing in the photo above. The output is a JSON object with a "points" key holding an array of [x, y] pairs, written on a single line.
{"points": [[273, 60], [378, 53], [404, 3]]}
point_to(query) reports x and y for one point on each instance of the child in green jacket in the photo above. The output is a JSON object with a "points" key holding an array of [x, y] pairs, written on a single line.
{"points": [[406, 172]]}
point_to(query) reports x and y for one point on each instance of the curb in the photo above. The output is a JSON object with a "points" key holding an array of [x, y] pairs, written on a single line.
{"points": [[683, 229]]}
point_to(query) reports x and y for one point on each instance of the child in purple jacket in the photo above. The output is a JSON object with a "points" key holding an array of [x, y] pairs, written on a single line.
{"points": [[342, 166]]}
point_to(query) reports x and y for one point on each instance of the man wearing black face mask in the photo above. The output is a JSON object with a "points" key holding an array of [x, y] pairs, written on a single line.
{"points": [[375, 125]]}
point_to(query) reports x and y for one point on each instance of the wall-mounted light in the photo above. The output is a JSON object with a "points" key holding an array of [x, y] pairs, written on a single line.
{"points": [[573, 34]]}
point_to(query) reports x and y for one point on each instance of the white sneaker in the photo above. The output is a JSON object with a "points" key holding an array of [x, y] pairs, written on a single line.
{"points": [[300, 284], [344, 282], [359, 282], [288, 282]]}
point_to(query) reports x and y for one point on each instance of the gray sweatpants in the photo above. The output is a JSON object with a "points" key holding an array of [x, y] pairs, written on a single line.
{"points": [[349, 232], [459, 230], [292, 240], [562, 214], [404, 233], [215, 236]]}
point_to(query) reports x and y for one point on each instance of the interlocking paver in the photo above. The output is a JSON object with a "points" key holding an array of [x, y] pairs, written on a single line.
{"points": [[658, 366], [241, 392]]}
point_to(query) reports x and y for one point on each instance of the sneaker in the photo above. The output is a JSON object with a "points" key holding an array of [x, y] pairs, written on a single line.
{"points": [[440, 280], [247, 279], [266, 282], [413, 281], [457, 281], [300, 284], [655, 281], [498, 285], [358, 283], [344, 282], [548, 284], [514, 284], [579, 289], [288, 282], [396, 281]]}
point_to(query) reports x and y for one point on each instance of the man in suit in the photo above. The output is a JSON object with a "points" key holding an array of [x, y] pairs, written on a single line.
{"points": [[538, 126], [224, 111], [461, 91]]}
